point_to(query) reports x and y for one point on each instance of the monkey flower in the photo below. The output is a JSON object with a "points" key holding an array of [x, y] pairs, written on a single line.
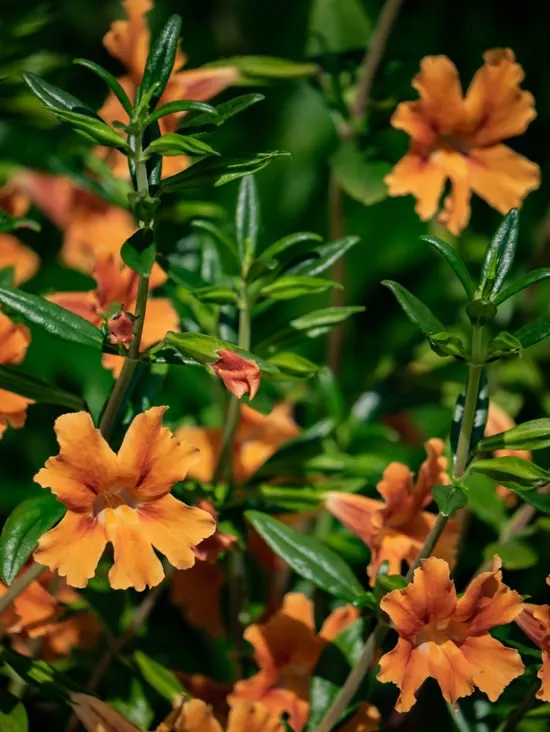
{"points": [[13, 253], [447, 638], [239, 375], [120, 498], [459, 138], [395, 530], [14, 341], [535, 623]]}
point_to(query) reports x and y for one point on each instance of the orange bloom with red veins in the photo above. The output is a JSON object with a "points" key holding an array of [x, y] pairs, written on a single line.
{"points": [[14, 341], [120, 498], [258, 437], [499, 421], [117, 284], [395, 530], [239, 375], [286, 650], [458, 138], [447, 638], [128, 41], [535, 623]]}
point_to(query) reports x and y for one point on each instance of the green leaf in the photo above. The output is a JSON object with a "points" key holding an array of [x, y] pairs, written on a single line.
{"points": [[292, 286], [173, 144], [528, 279], [484, 502], [539, 501], [51, 683], [31, 387], [308, 557], [218, 172], [163, 681], [454, 261], [504, 345], [204, 349], [53, 319], [281, 245], [268, 67], [388, 583], [93, 128], [449, 498], [319, 259], [515, 554], [180, 105], [290, 364], [447, 343], [534, 332], [532, 435], [293, 456], [360, 178], [291, 498], [322, 320], [216, 294], [139, 252], [333, 667], [51, 96], [7, 275], [160, 61], [219, 236], [22, 530], [224, 112], [247, 220], [512, 472], [12, 223], [13, 715], [500, 256], [110, 80], [415, 309], [338, 26]]}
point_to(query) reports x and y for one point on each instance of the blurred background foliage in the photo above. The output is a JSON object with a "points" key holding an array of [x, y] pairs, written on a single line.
{"points": [[384, 372]]}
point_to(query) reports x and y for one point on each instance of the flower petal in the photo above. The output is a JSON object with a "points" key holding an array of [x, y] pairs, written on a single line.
{"points": [[410, 117], [440, 92], [502, 177], [128, 40], [496, 107], [73, 548], [534, 620], [196, 592], [421, 176], [85, 466], [200, 85], [136, 564], [239, 375], [13, 410], [432, 472], [359, 514], [152, 458], [14, 340], [208, 441], [81, 303], [544, 676], [431, 594], [175, 529], [338, 620], [407, 670], [14, 254], [456, 206], [496, 666], [252, 717], [160, 317]]}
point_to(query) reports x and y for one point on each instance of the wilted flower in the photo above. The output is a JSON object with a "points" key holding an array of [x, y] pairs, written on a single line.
{"points": [[395, 530], [459, 138], [239, 375], [447, 638], [121, 328], [120, 498], [535, 623], [14, 341]]}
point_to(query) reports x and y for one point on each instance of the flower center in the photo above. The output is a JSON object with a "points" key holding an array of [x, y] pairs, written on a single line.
{"points": [[440, 631], [113, 497], [454, 143], [295, 677]]}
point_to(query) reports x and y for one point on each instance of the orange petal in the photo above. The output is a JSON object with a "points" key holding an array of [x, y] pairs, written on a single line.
{"points": [[196, 716], [393, 547], [431, 594], [249, 717], [13, 410], [208, 442], [136, 564], [496, 666], [366, 719], [338, 620], [273, 429], [14, 340], [239, 375], [488, 602], [421, 176], [432, 472], [175, 529], [73, 548], [152, 458], [410, 117], [544, 676], [85, 466], [35, 608], [121, 328], [160, 317], [116, 283], [52, 194], [456, 206], [496, 107], [534, 620], [96, 716], [14, 254], [359, 514], [502, 177], [128, 40], [403, 667], [81, 303], [440, 92], [197, 594], [200, 85]]}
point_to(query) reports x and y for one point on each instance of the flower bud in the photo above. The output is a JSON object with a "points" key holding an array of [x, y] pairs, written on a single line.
{"points": [[238, 374], [121, 328]]}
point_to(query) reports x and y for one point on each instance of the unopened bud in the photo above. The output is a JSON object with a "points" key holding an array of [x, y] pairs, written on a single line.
{"points": [[121, 328]]}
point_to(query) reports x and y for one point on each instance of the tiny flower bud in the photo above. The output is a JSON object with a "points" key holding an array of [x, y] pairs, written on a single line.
{"points": [[210, 548], [121, 328], [238, 374]]}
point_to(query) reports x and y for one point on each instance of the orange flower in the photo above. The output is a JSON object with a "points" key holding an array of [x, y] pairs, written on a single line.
{"points": [[120, 498], [459, 138], [395, 530], [499, 421], [446, 638], [128, 41], [258, 437], [14, 340], [24, 261], [286, 650], [196, 716], [210, 549], [535, 623], [239, 375], [117, 284], [197, 595]]}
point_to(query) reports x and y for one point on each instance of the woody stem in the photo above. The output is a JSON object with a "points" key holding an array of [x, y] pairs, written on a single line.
{"points": [[118, 393], [348, 690]]}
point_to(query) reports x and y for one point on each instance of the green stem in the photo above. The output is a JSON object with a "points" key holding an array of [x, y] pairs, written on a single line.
{"points": [[348, 690], [20, 585], [515, 718]]}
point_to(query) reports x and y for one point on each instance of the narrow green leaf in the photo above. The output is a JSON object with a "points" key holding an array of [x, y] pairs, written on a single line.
{"points": [[7, 276], [216, 294], [247, 220], [415, 309], [292, 457], [449, 498], [308, 557], [163, 681], [319, 259], [287, 242], [504, 345], [92, 127], [362, 179], [160, 61], [539, 501], [325, 318], [53, 319], [484, 502], [293, 286], [290, 364], [139, 252], [180, 105], [14, 380], [173, 144], [51, 96], [12, 223], [22, 530], [512, 471], [268, 67], [13, 715], [454, 261], [110, 80], [219, 236], [500, 255], [50, 682], [515, 554], [532, 435], [206, 122], [528, 279], [534, 332]]}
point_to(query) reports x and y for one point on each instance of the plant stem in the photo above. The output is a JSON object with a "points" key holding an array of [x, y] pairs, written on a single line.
{"points": [[515, 718], [20, 585], [348, 690]]}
